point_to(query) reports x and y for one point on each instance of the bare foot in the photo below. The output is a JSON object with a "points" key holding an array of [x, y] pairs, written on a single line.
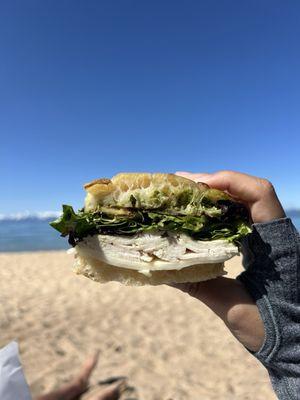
{"points": [[112, 392], [77, 386]]}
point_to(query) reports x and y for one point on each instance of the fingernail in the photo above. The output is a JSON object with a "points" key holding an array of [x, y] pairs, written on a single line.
{"points": [[182, 173]]}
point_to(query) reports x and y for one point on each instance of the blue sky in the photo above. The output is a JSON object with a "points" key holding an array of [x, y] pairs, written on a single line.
{"points": [[91, 88]]}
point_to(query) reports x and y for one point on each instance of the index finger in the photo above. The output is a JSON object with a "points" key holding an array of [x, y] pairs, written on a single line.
{"points": [[242, 186]]}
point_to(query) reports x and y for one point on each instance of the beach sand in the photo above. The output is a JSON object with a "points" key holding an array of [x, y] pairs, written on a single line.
{"points": [[169, 345]]}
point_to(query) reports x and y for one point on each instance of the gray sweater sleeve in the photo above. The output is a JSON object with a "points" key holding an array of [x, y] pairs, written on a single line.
{"points": [[271, 257]]}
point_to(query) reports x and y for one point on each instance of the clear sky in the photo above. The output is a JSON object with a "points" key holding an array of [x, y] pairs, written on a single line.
{"points": [[91, 88]]}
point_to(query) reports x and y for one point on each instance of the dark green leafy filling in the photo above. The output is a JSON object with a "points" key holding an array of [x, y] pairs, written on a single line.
{"points": [[230, 222]]}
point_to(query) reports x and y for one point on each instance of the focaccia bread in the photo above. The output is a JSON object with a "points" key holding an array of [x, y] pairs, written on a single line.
{"points": [[149, 191]]}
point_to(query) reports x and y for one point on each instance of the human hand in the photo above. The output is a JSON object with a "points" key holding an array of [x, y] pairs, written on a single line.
{"points": [[256, 193], [228, 298]]}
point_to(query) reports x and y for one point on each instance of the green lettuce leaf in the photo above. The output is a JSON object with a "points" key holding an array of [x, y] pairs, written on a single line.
{"points": [[230, 223]]}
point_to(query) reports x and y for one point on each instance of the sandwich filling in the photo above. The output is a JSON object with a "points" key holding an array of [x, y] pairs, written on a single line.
{"points": [[154, 251], [151, 222]]}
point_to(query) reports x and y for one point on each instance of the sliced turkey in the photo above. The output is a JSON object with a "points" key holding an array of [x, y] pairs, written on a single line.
{"points": [[155, 251]]}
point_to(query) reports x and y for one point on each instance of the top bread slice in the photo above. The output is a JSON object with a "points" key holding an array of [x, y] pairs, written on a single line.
{"points": [[148, 191]]}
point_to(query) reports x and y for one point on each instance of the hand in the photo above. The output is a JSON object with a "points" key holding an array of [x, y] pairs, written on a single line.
{"points": [[228, 298], [256, 193], [231, 302]]}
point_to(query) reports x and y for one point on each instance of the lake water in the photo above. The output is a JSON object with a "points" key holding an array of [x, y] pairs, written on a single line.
{"points": [[30, 234], [33, 234]]}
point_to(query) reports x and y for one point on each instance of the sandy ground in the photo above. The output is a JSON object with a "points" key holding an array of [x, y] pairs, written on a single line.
{"points": [[169, 345]]}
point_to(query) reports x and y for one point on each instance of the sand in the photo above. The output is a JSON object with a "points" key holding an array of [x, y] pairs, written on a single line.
{"points": [[169, 345]]}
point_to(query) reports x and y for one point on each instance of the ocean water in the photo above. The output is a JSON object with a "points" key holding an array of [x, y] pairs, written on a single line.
{"points": [[33, 234]]}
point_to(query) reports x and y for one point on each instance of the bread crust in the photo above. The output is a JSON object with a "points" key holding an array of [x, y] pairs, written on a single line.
{"points": [[139, 180], [101, 181]]}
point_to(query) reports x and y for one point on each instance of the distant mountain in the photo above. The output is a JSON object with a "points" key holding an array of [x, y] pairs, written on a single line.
{"points": [[28, 216], [45, 215], [293, 213]]}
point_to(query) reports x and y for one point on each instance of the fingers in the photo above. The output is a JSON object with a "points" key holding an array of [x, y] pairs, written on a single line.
{"points": [[256, 193], [198, 177], [245, 187], [88, 367], [112, 392]]}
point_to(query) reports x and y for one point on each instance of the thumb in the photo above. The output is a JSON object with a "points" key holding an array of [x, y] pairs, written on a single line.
{"points": [[191, 288]]}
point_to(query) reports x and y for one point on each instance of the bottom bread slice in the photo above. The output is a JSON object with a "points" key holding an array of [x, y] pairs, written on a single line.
{"points": [[103, 273]]}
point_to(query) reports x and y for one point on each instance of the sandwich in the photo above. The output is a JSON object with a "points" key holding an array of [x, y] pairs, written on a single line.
{"points": [[143, 228]]}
